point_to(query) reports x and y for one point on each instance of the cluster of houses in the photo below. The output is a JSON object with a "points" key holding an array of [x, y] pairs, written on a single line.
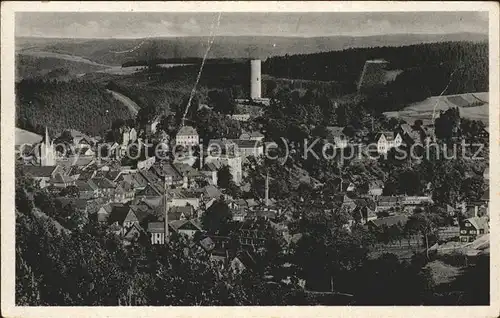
{"points": [[403, 134], [160, 197]]}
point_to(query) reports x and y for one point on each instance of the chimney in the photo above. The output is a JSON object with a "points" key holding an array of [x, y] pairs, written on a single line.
{"points": [[267, 190], [165, 207], [476, 209]]}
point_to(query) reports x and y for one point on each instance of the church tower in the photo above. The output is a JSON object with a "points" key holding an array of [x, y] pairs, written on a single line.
{"points": [[47, 157]]}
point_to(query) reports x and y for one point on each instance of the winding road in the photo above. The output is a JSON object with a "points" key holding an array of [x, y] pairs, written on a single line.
{"points": [[131, 105]]}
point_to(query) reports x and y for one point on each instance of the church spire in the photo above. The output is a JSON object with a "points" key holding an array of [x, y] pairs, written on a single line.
{"points": [[47, 138]]}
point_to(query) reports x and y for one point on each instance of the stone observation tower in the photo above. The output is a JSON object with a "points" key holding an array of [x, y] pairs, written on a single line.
{"points": [[255, 78]]}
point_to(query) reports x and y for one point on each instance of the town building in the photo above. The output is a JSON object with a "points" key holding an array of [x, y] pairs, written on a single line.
{"points": [[337, 135], [387, 140], [234, 162], [253, 135], [42, 174], [187, 136]]}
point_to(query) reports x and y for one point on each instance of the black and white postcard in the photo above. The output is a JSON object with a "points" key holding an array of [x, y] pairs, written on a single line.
{"points": [[250, 158]]}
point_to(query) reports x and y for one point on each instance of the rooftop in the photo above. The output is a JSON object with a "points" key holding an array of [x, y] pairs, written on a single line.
{"points": [[38, 171], [187, 131], [390, 220]]}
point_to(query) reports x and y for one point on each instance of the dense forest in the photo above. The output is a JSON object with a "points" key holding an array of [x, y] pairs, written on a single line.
{"points": [[83, 106], [428, 65]]}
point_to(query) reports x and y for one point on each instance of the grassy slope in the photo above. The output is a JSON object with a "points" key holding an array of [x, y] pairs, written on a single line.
{"points": [[29, 66]]}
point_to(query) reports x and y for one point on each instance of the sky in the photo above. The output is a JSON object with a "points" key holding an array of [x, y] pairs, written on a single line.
{"points": [[169, 24]]}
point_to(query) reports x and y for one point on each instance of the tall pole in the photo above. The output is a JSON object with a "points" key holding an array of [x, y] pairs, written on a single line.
{"points": [[267, 189], [165, 209]]}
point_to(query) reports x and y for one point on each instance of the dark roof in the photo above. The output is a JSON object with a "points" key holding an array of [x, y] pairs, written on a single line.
{"points": [[165, 169], [207, 244], [38, 171], [103, 183], [60, 178], [83, 186], [390, 220], [150, 176], [479, 222], [112, 174], [210, 191], [212, 166], [182, 194], [175, 212], [118, 213], [141, 212], [184, 225], [387, 134], [86, 174], [335, 131], [123, 186], [156, 227], [186, 170], [149, 191], [76, 203]]}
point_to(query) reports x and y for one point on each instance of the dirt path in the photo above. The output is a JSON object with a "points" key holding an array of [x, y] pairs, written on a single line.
{"points": [[132, 106]]}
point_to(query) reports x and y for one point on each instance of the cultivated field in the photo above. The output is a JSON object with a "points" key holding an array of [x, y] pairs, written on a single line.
{"points": [[473, 106]]}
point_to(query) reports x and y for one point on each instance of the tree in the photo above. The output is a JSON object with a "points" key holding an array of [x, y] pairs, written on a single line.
{"points": [[224, 177], [70, 191], [146, 114], [221, 101], [424, 223], [217, 217], [472, 188], [447, 124], [65, 138]]}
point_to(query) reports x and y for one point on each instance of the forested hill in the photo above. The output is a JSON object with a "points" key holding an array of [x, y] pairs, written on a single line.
{"points": [[104, 50], [83, 106], [432, 63]]}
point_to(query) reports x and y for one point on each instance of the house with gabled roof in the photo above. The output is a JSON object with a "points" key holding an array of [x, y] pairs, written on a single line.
{"points": [[364, 211], [337, 135], [386, 140], [177, 213], [210, 170], [188, 173], [156, 230], [87, 189], [387, 202], [124, 192], [389, 221], [106, 187], [170, 174], [43, 174], [185, 227], [149, 191], [61, 180], [133, 233], [75, 203], [183, 197], [474, 227]]}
